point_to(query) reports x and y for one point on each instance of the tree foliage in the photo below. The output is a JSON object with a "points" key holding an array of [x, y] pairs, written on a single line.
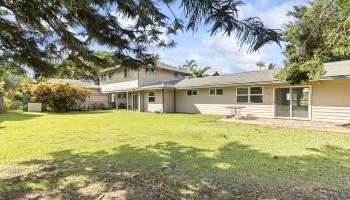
{"points": [[197, 71], [69, 69], [261, 65], [38, 33], [189, 65], [200, 71], [60, 97], [319, 34]]}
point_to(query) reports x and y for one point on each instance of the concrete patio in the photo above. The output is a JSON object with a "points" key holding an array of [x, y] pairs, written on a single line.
{"points": [[289, 123]]}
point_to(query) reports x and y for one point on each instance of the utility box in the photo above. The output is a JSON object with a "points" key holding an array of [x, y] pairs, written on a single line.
{"points": [[35, 107]]}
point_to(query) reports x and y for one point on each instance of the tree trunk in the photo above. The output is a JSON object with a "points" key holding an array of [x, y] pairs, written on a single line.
{"points": [[1, 103]]}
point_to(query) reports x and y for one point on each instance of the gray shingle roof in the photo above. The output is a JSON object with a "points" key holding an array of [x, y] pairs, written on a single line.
{"points": [[159, 65], [266, 76], [84, 83], [337, 69]]}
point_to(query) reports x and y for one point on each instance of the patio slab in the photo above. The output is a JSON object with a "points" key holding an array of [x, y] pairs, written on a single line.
{"points": [[292, 123]]}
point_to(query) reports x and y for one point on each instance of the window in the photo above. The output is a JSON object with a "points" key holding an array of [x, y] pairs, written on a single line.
{"points": [[110, 75], [250, 94], [151, 97], [216, 91], [178, 75], [127, 73], [192, 92], [103, 77], [256, 95], [151, 70]]}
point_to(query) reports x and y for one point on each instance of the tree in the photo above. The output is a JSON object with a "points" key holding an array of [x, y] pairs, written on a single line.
{"points": [[60, 97], [271, 66], [68, 69], [319, 34], [2, 94], [200, 72], [261, 65], [38, 33], [189, 65], [197, 71]]}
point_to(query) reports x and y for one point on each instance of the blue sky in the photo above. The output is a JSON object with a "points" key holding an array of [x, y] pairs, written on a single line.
{"points": [[222, 53]]}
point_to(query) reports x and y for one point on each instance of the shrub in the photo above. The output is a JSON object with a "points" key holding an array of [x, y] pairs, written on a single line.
{"points": [[10, 104], [60, 97]]}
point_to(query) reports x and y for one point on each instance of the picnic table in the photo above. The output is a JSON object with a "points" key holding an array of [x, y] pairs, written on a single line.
{"points": [[235, 111]]}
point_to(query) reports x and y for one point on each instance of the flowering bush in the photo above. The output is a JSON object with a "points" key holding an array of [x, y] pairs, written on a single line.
{"points": [[60, 97]]}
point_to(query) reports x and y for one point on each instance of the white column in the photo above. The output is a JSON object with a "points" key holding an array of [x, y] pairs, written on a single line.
{"points": [[116, 100], [127, 100], [139, 102]]}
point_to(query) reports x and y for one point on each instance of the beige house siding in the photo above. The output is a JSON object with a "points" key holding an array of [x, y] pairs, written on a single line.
{"points": [[118, 76], [156, 106], [161, 75], [119, 82], [168, 100], [206, 104], [331, 101], [97, 97]]}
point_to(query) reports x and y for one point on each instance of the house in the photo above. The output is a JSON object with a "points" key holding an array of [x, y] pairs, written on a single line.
{"points": [[166, 89], [95, 100]]}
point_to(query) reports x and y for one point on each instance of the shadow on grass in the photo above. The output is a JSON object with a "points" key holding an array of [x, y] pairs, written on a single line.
{"points": [[17, 116], [171, 171]]}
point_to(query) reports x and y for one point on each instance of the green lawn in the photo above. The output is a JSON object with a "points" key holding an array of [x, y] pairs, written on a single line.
{"points": [[193, 155]]}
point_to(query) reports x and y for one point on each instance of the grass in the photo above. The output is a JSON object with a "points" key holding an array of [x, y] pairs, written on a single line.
{"points": [[187, 151]]}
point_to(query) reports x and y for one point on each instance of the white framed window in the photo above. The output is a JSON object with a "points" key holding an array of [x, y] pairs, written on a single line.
{"points": [[151, 70], [216, 92], [192, 92], [151, 97], [256, 95], [250, 95], [127, 73]]}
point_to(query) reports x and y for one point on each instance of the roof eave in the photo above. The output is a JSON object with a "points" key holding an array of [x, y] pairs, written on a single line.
{"points": [[230, 84]]}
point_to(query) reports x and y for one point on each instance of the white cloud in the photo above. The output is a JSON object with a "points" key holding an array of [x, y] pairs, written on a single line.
{"points": [[273, 17], [222, 53]]}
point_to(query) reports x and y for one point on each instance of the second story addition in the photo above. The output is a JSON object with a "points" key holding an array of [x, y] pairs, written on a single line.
{"points": [[120, 78]]}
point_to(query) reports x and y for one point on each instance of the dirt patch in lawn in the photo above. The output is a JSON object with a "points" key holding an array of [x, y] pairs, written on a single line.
{"points": [[50, 181]]}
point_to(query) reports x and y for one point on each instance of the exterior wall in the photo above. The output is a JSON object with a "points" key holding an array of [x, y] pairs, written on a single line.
{"points": [[206, 104], [97, 97], [169, 101], [161, 75], [119, 82], [331, 101], [156, 106]]}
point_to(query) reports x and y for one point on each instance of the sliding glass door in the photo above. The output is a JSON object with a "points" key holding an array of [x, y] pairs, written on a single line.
{"points": [[292, 102]]}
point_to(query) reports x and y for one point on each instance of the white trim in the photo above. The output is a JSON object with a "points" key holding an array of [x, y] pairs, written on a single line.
{"points": [[191, 92], [215, 89], [290, 105], [148, 96], [132, 101], [249, 102]]}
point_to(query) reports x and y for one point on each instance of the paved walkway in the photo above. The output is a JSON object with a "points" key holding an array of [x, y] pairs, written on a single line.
{"points": [[288, 123]]}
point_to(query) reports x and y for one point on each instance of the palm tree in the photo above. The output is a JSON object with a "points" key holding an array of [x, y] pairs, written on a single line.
{"points": [[261, 65], [271, 66], [189, 65], [200, 72]]}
